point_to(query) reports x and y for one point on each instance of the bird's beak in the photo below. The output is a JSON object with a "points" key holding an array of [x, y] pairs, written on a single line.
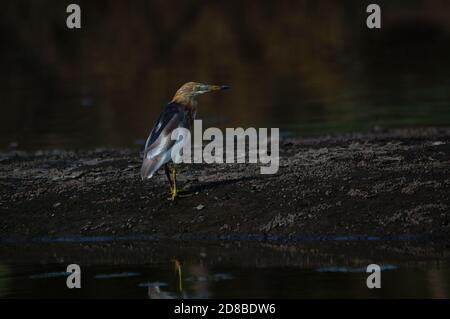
{"points": [[210, 88], [219, 87]]}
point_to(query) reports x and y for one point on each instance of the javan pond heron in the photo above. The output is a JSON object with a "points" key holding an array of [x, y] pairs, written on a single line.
{"points": [[179, 113]]}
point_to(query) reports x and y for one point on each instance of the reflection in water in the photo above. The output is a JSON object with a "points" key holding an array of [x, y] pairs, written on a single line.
{"points": [[5, 280], [117, 275], [352, 269], [50, 275], [193, 279], [197, 276], [155, 292], [179, 277], [304, 66], [439, 283], [198, 288], [416, 269]]}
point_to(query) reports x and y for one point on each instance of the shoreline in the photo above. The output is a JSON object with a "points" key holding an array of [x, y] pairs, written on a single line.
{"points": [[304, 255], [388, 183]]}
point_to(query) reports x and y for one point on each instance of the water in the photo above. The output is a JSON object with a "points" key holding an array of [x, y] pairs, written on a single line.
{"points": [[307, 67], [234, 270]]}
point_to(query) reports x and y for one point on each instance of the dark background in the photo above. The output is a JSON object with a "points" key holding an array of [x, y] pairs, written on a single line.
{"points": [[308, 67]]}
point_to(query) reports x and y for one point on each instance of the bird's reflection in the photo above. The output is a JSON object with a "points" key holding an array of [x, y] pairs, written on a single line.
{"points": [[155, 292], [196, 274], [178, 275]]}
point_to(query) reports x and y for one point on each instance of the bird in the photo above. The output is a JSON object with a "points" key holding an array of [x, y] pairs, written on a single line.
{"points": [[180, 112]]}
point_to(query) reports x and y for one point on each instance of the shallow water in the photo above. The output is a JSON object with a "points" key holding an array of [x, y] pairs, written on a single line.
{"points": [[199, 281], [215, 270]]}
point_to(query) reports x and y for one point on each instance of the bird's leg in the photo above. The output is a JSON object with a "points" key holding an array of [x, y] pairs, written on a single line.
{"points": [[167, 171], [171, 176], [174, 179]]}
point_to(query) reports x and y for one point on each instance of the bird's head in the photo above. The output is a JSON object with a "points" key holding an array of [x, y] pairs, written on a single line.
{"points": [[188, 93]]}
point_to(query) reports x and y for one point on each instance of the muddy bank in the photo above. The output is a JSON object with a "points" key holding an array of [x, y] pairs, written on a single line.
{"points": [[389, 183]]}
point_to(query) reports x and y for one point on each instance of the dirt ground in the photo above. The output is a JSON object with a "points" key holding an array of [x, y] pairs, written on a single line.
{"points": [[381, 183]]}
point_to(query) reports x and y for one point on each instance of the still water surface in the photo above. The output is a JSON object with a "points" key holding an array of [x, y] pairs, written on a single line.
{"points": [[111, 271], [307, 67]]}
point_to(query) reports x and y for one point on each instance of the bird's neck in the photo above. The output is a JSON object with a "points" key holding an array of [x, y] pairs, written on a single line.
{"points": [[189, 102]]}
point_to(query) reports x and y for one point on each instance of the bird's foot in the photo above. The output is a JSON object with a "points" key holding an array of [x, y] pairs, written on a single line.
{"points": [[173, 194]]}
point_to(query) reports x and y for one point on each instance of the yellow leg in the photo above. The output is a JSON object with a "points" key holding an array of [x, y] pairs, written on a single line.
{"points": [[174, 188], [171, 176]]}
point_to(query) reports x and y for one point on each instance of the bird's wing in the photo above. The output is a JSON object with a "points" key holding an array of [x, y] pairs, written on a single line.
{"points": [[159, 144], [170, 111]]}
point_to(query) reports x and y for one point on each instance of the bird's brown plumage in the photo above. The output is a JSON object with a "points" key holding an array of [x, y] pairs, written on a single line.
{"points": [[185, 96], [179, 113]]}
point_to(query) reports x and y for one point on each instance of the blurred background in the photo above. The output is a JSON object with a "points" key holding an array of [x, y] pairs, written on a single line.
{"points": [[307, 66]]}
